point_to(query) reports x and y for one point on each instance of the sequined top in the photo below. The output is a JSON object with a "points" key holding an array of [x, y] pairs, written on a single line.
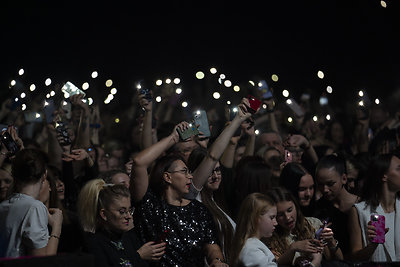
{"points": [[185, 229]]}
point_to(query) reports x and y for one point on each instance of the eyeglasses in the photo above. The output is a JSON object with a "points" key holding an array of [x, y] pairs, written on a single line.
{"points": [[183, 171], [217, 171], [125, 212]]}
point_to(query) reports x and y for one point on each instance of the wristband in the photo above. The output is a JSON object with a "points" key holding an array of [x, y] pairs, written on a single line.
{"points": [[54, 236], [218, 259]]}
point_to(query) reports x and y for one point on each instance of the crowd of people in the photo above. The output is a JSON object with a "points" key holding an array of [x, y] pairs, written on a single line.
{"points": [[162, 190]]}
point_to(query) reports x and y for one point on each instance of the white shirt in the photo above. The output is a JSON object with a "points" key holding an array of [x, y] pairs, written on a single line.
{"points": [[23, 225], [256, 253]]}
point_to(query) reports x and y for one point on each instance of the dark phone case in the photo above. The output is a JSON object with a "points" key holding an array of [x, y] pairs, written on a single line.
{"points": [[61, 130], [189, 132], [9, 143]]}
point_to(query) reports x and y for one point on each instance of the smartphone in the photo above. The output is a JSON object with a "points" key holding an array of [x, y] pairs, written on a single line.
{"points": [[295, 107], [379, 222], [163, 236], [265, 90], [288, 156], [254, 104], [232, 113], [9, 143], [62, 131], [189, 132], [33, 117], [70, 89], [319, 231], [49, 110], [201, 121]]}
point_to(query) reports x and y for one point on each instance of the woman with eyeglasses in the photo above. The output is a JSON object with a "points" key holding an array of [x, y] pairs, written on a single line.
{"points": [[106, 214]]}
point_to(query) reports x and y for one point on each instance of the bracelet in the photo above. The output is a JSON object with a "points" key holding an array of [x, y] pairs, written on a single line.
{"points": [[218, 259], [54, 236], [335, 247]]}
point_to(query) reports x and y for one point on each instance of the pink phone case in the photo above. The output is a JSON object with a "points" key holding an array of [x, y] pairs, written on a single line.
{"points": [[379, 222]]}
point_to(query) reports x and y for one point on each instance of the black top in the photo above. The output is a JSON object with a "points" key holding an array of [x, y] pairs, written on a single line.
{"points": [[185, 229], [325, 209], [114, 250]]}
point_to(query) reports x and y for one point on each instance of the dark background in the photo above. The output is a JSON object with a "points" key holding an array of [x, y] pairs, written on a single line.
{"points": [[355, 43]]}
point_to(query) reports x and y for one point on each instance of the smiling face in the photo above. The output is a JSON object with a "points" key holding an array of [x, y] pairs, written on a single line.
{"points": [[6, 181], [306, 190], [60, 189], [286, 215], [117, 216], [267, 223], [214, 180]]}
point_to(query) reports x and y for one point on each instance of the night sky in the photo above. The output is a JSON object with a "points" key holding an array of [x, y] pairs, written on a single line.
{"points": [[355, 43]]}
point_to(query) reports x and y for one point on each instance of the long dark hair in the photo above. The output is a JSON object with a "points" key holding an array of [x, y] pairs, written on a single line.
{"points": [[302, 230], [378, 167], [252, 174], [225, 231], [290, 179]]}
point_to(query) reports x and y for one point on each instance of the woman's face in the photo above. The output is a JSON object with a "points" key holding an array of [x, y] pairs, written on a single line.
{"points": [[6, 181], [214, 180], [267, 223], [330, 183], [60, 189], [286, 215], [180, 177], [306, 190], [118, 215], [393, 174], [121, 178]]}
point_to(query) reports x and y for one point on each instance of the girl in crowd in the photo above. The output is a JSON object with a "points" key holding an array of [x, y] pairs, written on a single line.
{"points": [[207, 178], [23, 218], [295, 237], [105, 211], [211, 196], [336, 201], [379, 195], [296, 179], [257, 219]]}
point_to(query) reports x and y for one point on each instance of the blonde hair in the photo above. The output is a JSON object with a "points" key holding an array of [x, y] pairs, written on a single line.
{"points": [[252, 207], [94, 196]]}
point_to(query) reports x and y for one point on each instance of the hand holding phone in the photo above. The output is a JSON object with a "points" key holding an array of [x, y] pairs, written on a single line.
{"points": [[9, 143], [200, 120], [187, 133], [288, 156], [378, 221], [254, 104]]}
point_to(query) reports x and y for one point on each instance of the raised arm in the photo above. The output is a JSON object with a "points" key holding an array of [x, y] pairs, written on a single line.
{"points": [[146, 133], [141, 162], [202, 172]]}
